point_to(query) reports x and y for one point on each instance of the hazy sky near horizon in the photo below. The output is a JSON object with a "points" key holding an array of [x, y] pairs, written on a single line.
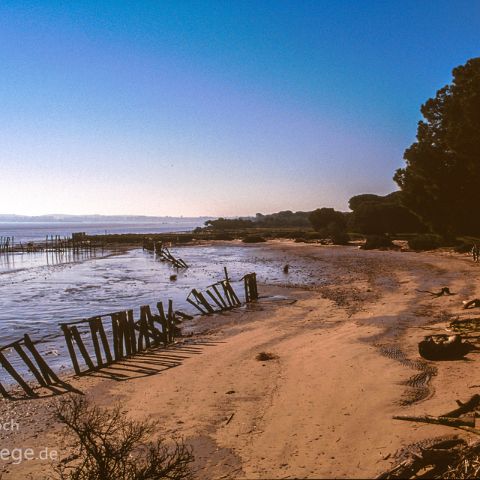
{"points": [[216, 107]]}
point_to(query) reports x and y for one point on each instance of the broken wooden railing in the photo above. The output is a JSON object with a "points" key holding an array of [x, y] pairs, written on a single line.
{"points": [[127, 336], [221, 296], [78, 243], [31, 358], [162, 252], [250, 282]]}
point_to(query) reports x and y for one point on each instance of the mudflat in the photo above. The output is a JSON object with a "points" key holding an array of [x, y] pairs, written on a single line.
{"points": [[343, 360]]}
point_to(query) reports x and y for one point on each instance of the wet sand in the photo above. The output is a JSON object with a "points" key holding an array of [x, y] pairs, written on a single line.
{"points": [[346, 346]]}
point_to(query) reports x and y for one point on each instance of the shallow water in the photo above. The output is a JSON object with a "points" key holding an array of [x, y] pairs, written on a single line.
{"points": [[40, 290], [37, 231]]}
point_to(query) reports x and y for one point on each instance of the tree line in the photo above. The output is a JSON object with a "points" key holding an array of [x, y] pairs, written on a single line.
{"points": [[439, 184]]}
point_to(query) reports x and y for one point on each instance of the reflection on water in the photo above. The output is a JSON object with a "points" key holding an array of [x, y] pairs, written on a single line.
{"points": [[11, 262], [38, 291]]}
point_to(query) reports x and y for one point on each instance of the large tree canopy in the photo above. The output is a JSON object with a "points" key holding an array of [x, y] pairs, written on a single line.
{"points": [[374, 214], [441, 180]]}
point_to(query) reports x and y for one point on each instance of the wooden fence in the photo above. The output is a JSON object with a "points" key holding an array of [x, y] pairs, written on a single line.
{"points": [[31, 358], [127, 336], [96, 342]]}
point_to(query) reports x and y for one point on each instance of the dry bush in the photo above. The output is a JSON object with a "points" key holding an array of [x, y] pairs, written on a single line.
{"points": [[108, 446]]}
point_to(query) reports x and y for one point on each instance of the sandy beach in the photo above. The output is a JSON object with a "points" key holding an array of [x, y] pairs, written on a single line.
{"points": [[345, 361]]}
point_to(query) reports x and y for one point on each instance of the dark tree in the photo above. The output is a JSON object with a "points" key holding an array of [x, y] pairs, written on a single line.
{"points": [[358, 200], [327, 217], [441, 179], [374, 214]]}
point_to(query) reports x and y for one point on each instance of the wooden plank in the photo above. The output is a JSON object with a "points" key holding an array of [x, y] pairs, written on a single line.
{"points": [[4, 392], [203, 312], [203, 301], [254, 285], [224, 303], [104, 340], [14, 374], [247, 288], [78, 339], [210, 294], [127, 333], [171, 323], [163, 322], [116, 353], [131, 326], [227, 294], [120, 333], [68, 339], [18, 348], [49, 375], [233, 294], [93, 324]]}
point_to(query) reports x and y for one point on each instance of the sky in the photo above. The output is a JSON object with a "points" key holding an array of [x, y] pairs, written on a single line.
{"points": [[217, 108]]}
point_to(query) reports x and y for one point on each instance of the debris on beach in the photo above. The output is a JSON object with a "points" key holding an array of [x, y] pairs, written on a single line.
{"points": [[443, 291], [163, 253], [438, 458], [465, 325], [265, 356], [444, 347], [444, 457], [472, 303], [222, 295], [285, 268]]}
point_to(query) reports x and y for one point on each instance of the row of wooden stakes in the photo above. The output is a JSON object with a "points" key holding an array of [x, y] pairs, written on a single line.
{"points": [[97, 342]]}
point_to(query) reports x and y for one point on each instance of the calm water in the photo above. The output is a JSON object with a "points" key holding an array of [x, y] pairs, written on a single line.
{"points": [[36, 231], [39, 290]]}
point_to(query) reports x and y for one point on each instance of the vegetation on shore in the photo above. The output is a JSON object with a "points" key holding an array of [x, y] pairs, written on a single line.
{"points": [[438, 186]]}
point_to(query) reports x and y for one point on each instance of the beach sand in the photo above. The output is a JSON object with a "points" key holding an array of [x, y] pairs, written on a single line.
{"points": [[346, 360]]}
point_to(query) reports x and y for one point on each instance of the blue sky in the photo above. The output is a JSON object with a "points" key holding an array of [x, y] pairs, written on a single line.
{"points": [[216, 108]]}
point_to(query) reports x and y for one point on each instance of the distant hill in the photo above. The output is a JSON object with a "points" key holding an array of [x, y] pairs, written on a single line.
{"points": [[99, 218]]}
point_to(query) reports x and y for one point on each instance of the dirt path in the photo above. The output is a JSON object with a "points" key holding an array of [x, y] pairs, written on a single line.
{"points": [[346, 361]]}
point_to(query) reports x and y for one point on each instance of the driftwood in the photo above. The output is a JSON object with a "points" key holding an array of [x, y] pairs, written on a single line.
{"points": [[432, 458], [462, 417], [443, 291], [444, 347], [472, 303], [463, 423], [442, 458], [250, 283]]}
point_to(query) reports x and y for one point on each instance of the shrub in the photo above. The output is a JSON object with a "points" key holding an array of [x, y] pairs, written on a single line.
{"points": [[253, 239], [184, 238], [377, 241], [424, 242], [463, 247], [296, 235], [223, 236], [108, 446], [340, 238]]}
